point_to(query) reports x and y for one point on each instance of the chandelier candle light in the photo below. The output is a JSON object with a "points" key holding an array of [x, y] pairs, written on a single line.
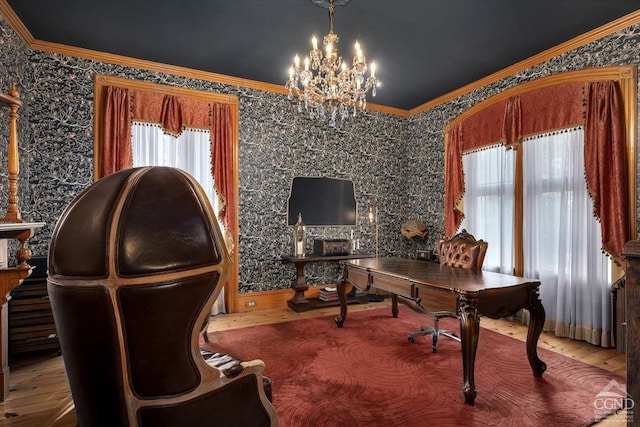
{"points": [[323, 84]]}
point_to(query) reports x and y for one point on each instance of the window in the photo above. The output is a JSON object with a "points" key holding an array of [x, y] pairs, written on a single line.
{"points": [[489, 202], [118, 103], [190, 151], [568, 132], [561, 239]]}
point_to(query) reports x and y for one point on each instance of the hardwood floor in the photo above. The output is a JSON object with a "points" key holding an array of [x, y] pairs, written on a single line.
{"points": [[40, 394]]}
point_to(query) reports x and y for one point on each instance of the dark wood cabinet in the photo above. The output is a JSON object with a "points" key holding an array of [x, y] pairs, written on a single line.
{"points": [[618, 302], [31, 325]]}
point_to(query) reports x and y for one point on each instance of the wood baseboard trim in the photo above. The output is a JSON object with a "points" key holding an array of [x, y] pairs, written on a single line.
{"points": [[270, 299]]}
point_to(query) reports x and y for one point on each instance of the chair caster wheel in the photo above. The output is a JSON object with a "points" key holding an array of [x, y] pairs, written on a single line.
{"points": [[411, 340]]}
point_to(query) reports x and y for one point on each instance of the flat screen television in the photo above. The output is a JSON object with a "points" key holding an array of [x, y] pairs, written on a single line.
{"points": [[321, 201]]}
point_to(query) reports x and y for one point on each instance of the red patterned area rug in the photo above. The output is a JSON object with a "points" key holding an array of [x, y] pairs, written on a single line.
{"points": [[368, 374]]}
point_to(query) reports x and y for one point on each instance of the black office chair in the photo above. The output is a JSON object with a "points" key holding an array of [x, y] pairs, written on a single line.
{"points": [[461, 251]]}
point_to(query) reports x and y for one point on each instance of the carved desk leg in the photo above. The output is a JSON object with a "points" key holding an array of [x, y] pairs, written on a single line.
{"points": [[536, 323], [469, 329], [342, 296]]}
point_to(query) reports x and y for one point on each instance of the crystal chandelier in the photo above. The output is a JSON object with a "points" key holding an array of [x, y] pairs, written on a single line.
{"points": [[323, 85]]}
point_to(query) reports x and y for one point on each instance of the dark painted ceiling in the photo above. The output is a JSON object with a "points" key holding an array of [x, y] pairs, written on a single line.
{"points": [[423, 48]]}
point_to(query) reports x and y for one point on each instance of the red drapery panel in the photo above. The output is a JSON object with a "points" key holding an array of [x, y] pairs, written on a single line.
{"points": [[454, 181], [222, 158], [116, 147], [512, 122], [606, 165]]}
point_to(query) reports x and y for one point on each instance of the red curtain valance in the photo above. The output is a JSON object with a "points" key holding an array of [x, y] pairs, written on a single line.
{"points": [[543, 110], [483, 128], [173, 113], [552, 108], [508, 121]]}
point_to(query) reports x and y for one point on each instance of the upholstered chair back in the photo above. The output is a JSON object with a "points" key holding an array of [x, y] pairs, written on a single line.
{"points": [[135, 263], [462, 250]]}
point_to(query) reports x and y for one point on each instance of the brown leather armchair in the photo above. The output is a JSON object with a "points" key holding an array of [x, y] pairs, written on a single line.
{"points": [[461, 251], [135, 263]]}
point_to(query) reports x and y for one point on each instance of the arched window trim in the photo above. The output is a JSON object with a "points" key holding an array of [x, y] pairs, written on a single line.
{"points": [[626, 76]]}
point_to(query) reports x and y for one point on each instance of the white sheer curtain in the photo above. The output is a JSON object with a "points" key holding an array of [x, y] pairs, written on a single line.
{"points": [[488, 204], [191, 152], [562, 239]]}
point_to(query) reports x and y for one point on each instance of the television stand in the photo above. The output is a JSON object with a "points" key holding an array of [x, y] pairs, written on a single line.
{"points": [[299, 302]]}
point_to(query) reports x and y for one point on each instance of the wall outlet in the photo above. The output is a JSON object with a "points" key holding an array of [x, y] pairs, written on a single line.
{"points": [[250, 303]]}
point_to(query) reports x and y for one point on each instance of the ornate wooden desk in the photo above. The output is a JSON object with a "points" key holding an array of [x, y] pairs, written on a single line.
{"points": [[464, 293]]}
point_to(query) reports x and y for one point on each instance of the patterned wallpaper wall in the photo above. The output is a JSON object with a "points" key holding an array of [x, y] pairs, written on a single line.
{"points": [[396, 163], [276, 144]]}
